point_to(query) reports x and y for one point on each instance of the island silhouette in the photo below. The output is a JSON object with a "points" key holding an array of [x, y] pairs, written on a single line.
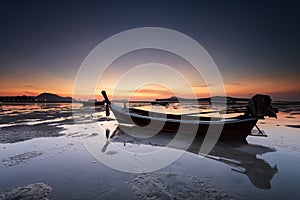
{"points": [[43, 97]]}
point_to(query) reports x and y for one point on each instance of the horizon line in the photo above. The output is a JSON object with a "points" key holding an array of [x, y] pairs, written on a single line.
{"points": [[139, 99]]}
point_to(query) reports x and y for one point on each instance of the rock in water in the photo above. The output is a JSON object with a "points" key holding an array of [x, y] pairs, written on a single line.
{"points": [[29, 192]]}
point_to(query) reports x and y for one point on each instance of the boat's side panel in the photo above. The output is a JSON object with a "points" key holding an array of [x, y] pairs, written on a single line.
{"points": [[237, 130]]}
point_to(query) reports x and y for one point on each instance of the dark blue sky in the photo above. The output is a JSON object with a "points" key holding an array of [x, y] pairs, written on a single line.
{"points": [[246, 39]]}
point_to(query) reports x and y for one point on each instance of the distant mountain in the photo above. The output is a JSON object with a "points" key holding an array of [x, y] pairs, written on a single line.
{"points": [[44, 97], [48, 97]]}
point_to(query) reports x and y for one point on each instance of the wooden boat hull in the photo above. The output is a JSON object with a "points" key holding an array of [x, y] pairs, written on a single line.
{"points": [[234, 128]]}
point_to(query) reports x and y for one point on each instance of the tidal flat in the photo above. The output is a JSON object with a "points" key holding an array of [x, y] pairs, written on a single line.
{"points": [[60, 151]]}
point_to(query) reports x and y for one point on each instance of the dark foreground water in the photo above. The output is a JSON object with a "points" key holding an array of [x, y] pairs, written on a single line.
{"points": [[41, 144]]}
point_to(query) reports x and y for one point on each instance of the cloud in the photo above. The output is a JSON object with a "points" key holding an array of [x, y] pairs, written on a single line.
{"points": [[30, 93], [202, 85], [147, 91], [27, 86], [235, 83]]}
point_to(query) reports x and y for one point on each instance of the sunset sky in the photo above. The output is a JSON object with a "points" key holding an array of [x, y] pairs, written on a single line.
{"points": [[255, 44]]}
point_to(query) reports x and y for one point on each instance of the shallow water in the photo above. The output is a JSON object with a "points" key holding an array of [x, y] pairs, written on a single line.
{"points": [[266, 168]]}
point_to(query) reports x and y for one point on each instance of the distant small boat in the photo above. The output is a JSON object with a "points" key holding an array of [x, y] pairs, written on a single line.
{"points": [[236, 128]]}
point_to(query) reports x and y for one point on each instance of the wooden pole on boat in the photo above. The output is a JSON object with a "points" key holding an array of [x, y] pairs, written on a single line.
{"points": [[105, 97], [107, 101]]}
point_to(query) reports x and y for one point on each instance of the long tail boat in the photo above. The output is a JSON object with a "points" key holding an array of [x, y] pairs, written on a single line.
{"points": [[236, 128]]}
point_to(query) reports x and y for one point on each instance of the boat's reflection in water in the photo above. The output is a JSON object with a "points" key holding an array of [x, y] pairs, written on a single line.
{"points": [[240, 156], [243, 159]]}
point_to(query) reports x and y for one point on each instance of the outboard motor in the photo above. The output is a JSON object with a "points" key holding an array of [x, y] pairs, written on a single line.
{"points": [[260, 106]]}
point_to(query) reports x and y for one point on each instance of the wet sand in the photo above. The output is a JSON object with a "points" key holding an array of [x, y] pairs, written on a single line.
{"points": [[42, 149], [37, 191]]}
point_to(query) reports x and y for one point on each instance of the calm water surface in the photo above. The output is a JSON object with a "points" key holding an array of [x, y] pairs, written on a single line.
{"points": [[266, 168]]}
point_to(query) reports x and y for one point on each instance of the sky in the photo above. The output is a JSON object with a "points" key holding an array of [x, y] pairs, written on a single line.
{"points": [[255, 44]]}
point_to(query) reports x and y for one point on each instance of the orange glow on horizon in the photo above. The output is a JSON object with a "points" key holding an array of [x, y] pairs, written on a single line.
{"points": [[150, 93], [64, 87], [151, 96], [35, 84]]}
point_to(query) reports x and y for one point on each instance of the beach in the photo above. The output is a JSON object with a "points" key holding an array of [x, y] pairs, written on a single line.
{"points": [[44, 154]]}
